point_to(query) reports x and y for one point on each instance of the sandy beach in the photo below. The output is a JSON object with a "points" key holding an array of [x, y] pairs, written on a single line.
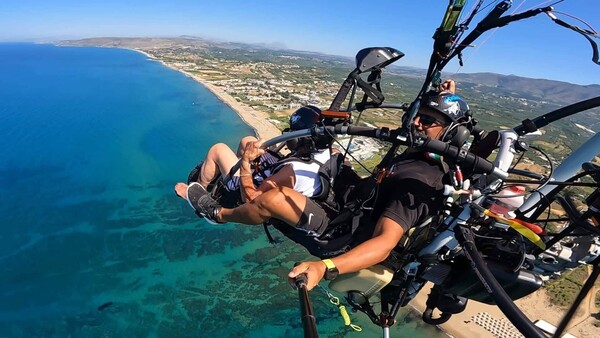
{"points": [[257, 120], [478, 320]]}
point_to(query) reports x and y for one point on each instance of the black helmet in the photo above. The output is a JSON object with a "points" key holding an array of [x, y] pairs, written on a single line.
{"points": [[304, 118], [456, 109], [449, 104]]}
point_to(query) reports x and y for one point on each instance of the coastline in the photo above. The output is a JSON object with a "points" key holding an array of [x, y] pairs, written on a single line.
{"points": [[257, 120]]}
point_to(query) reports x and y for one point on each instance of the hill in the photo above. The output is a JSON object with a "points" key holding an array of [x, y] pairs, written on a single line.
{"points": [[532, 89]]}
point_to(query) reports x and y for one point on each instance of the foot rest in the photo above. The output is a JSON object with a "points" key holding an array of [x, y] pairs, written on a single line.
{"points": [[369, 281]]}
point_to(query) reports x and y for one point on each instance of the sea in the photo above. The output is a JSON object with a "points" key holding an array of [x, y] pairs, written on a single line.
{"points": [[93, 240]]}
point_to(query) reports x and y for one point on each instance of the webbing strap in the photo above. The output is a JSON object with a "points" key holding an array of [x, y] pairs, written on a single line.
{"points": [[356, 220], [269, 236], [280, 164]]}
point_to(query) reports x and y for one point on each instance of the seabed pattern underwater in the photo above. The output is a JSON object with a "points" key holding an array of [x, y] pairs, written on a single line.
{"points": [[93, 241]]}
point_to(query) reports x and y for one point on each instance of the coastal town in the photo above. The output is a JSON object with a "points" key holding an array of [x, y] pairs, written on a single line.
{"points": [[262, 85]]}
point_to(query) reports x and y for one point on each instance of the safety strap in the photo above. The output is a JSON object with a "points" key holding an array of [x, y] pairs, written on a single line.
{"points": [[268, 233], [356, 220], [280, 164], [336, 301]]}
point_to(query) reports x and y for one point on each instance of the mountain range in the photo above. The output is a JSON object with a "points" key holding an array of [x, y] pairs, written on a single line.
{"points": [[531, 89]]}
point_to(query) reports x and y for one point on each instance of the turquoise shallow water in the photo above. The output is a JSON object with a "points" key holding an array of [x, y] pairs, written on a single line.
{"points": [[92, 142]]}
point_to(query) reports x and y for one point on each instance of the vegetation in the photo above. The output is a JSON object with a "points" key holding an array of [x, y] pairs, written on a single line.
{"points": [[564, 289]]}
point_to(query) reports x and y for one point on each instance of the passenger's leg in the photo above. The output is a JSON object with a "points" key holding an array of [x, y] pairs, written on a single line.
{"points": [[281, 203], [219, 159]]}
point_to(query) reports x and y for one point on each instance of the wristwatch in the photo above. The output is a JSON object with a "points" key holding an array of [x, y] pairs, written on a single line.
{"points": [[332, 271]]}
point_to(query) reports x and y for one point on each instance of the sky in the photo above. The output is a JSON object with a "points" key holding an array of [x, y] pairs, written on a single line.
{"points": [[535, 47]]}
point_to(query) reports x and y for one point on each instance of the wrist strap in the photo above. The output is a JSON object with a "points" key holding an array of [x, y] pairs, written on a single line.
{"points": [[329, 264]]}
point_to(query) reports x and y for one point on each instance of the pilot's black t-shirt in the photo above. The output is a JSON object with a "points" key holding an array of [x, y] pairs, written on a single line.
{"points": [[411, 191]]}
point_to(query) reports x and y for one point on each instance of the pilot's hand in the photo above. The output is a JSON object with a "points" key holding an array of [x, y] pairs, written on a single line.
{"points": [[448, 86], [252, 151], [314, 273]]}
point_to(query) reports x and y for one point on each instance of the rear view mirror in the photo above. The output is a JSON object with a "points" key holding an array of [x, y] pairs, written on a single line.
{"points": [[374, 58]]}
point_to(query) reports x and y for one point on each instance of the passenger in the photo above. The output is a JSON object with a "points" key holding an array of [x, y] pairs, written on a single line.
{"points": [[298, 172], [220, 159], [411, 191]]}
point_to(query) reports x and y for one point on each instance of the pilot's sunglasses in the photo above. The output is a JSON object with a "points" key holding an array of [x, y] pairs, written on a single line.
{"points": [[427, 120]]}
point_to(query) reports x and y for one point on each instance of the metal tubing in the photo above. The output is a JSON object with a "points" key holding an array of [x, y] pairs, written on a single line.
{"points": [[504, 302]]}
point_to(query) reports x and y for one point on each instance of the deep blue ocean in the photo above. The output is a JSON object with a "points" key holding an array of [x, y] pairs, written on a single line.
{"points": [[93, 240]]}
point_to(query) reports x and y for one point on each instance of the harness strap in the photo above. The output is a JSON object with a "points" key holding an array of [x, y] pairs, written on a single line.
{"points": [[268, 233], [260, 167], [356, 220], [280, 164]]}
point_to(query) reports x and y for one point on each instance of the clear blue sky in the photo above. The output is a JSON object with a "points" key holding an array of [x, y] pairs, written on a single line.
{"points": [[534, 48]]}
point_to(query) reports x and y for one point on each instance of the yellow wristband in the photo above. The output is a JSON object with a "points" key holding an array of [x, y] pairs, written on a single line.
{"points": [[329, 263]]}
